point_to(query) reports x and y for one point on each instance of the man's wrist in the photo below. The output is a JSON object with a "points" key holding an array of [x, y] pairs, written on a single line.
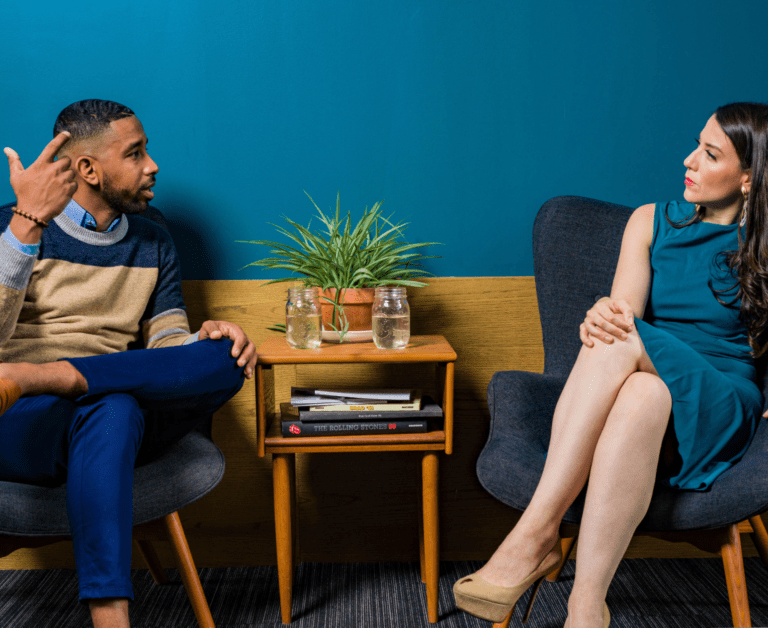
{"points": [[25, 231], [34, 210]]}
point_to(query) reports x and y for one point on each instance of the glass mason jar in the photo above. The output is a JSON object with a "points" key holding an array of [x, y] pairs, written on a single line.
{"points": [[391, 318], [302, 318]]}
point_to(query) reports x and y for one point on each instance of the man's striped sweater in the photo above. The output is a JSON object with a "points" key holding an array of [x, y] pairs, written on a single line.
{"points": [[89, 293]]}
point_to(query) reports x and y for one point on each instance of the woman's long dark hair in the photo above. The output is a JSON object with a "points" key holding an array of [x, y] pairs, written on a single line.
{"points": [[746, 125]]}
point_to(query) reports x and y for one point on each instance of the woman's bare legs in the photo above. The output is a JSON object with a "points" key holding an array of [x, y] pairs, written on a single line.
{"points": [[621, 482], [592, 390]]}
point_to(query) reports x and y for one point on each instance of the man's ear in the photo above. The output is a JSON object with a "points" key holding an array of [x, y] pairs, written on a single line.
{"points": [[88, 169]]}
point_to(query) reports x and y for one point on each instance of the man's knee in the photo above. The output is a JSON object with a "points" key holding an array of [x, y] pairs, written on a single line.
{"points": [[215, 356]]}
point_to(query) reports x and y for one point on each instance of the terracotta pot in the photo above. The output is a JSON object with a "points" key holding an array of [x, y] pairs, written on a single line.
{"points": [[357, 308]]}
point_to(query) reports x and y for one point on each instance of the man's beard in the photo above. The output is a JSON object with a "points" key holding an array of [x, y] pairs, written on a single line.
{"points": [[119, 202]]}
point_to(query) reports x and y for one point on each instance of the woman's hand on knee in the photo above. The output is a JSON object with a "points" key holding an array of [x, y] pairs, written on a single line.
{"points": [[606, 320]]}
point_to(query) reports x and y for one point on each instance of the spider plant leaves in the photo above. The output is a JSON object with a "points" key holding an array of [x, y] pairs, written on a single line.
{"points": [[340, 254]]}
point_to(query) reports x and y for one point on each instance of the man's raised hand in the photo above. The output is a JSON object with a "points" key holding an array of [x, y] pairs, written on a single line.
{"points": [[45, 187]]}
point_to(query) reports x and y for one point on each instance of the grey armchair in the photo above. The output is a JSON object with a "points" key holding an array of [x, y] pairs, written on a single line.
{"points": [[576, 243]]}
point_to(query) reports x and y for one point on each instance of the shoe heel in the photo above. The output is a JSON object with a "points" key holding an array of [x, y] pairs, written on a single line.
{"points": [[531, 599], [505, 623]]}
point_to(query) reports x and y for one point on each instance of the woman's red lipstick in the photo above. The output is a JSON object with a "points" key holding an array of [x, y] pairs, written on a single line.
{"points": [[688, 182]]}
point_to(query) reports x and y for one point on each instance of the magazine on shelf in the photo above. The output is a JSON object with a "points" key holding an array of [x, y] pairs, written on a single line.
{"points": [[300, 395], [375, 406], [428, 410]]}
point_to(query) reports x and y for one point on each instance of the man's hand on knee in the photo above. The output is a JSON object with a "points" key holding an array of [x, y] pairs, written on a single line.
{"points": [[242, 347]]}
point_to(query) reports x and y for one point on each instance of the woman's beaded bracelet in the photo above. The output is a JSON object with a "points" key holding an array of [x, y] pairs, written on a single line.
{"points": [[34, 219]]}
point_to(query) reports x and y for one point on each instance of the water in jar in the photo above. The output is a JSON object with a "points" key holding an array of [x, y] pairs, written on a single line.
{"points": [[391, 332], [303, 331]]}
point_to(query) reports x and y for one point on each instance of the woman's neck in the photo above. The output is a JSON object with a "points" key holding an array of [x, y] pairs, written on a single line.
{"points": [[725, 216]]}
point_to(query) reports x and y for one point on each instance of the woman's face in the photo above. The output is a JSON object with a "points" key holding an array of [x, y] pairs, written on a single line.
{"points": [[714, 177]]}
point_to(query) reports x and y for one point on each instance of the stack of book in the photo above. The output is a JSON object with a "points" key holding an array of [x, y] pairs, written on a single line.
{"points": [[332, 412]]}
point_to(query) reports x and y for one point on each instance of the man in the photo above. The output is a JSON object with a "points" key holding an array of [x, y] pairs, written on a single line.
{"points": [[83, 278]]}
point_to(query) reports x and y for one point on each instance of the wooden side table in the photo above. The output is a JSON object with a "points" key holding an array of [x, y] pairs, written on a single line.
{"points": [[426, 349]]}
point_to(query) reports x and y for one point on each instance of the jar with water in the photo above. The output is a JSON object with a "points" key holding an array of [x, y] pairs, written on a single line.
{"points": [[391, 318], [302, 318]]}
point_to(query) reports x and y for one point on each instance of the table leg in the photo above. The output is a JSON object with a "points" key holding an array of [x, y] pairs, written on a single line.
{"points": [[283, 470], [422, 565], [429, 477]]}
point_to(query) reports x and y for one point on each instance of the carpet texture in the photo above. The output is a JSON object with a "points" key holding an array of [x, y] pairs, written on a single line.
{"points": [[655, 593]]}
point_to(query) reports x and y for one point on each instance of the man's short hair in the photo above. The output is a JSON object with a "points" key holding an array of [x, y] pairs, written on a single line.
{"points": [[88, 118]]}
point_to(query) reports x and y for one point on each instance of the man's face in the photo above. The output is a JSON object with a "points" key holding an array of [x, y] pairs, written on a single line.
{"points": [[128, 172]]}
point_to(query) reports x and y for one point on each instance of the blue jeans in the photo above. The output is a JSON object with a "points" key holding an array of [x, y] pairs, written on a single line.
{"points": [[138, 404]]}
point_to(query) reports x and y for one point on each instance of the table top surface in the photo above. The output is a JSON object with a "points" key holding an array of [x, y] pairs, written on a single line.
{"points": [[276, 350]]}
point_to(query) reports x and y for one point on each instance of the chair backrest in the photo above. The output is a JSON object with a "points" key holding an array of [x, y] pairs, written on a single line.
{"points": [[576, 243]]}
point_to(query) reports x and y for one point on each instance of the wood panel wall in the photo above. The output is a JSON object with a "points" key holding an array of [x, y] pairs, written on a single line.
{"points": [[362, 507]]}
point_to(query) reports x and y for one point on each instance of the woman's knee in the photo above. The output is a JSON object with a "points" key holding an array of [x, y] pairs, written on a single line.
{"points": [[619, 354], [649, 395]]}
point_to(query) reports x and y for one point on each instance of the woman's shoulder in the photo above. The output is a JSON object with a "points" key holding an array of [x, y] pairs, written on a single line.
{"points": [[662, 213], [643, 216], [640, 225], [645, 212]]}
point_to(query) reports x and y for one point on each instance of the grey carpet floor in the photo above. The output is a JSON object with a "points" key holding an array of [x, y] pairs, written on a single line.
{"points": [[655, 593]]}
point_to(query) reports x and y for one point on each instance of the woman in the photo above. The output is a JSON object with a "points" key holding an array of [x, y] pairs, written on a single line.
{"points": [[696, 270]]}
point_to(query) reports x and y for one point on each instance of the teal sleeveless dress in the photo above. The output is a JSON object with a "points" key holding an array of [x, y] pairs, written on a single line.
{"points": [[699, 346]]}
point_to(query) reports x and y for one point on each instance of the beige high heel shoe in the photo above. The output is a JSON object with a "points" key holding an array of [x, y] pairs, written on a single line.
{"points": [[488, 601], [9, 394]]}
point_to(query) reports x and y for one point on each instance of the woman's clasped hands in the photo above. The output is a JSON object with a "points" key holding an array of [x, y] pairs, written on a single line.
{"points": [[607, 319]]}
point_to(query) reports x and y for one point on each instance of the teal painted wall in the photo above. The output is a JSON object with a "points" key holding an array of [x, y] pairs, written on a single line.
{"points": [[464, 116]]}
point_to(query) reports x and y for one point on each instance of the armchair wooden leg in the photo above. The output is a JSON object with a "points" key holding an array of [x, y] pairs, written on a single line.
{"points": [[733, 563], [188, 572], [760, 537], [153, 562], [567, 546]]}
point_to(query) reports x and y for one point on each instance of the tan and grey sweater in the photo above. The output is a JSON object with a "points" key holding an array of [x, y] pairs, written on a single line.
{"points": [[89, 293]]}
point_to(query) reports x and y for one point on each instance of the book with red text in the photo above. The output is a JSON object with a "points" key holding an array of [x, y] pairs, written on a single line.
{"points": [[351, 428]]}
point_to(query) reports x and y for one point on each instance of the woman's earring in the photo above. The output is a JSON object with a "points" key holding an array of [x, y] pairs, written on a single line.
{"points": [[744, 208]]}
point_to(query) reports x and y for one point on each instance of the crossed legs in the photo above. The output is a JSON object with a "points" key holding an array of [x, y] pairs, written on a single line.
{"points": [[608, 426], [103, 413]]}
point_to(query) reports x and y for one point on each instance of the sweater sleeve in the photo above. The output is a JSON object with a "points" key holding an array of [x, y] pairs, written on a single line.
{"points": [[15, 271], [165, 321]]}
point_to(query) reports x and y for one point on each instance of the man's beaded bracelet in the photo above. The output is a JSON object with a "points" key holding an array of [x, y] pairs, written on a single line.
{"points": [[34, 219]]}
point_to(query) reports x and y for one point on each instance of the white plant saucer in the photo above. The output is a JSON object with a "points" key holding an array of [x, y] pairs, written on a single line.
{"points": [[350, 336]]}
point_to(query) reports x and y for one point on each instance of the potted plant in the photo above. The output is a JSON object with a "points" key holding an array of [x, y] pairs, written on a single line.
{"points": [[347, 262]]}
